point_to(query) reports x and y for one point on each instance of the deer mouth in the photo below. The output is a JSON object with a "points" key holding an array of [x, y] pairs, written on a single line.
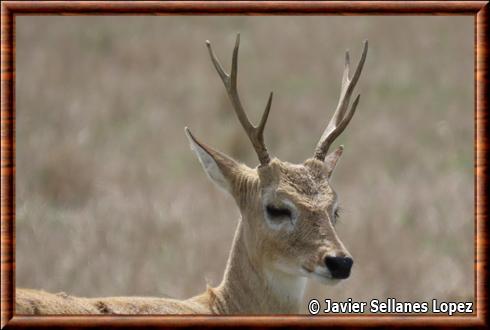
{"points": [[321, 274]]}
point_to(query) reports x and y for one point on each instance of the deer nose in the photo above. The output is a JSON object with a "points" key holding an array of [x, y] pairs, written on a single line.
{"points": [[339, 267]]}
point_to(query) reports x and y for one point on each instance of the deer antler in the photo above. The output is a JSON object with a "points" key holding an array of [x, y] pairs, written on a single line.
{"points": [[255, 134], [341, 119]]}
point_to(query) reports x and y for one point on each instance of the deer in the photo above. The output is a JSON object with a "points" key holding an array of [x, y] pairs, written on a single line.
{"points": [[285, 235]]}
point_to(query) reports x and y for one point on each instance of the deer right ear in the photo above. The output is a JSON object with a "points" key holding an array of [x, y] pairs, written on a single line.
{"points": [[332, 159], [220, 168]]}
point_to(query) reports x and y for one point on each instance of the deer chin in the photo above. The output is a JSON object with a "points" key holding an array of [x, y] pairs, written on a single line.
{"points": [[288, 268], [321, 274]]}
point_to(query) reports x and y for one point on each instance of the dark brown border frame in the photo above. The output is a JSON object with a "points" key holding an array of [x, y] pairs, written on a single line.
{"points": [[10, 9]]}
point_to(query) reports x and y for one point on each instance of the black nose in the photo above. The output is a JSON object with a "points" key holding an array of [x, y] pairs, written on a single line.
{"points": [[339, 267]]}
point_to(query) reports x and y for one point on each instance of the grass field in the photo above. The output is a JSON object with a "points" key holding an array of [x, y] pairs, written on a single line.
{"points": [[111, 201]]}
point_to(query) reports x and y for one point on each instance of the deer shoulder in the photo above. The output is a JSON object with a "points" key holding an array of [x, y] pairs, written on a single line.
{"points": [[285, 235]]}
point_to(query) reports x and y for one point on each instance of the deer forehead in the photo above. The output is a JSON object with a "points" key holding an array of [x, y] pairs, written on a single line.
{"points": [[304, 184]]}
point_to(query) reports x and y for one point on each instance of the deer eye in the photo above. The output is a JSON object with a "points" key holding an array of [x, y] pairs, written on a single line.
{"points": [[336, 214], [278, 213]]}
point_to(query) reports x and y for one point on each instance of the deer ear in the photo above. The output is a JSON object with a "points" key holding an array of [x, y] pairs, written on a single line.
{"points": [[332, 158], [220, 168]]}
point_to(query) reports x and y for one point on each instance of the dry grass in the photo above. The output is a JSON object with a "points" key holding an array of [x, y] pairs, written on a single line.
{"points": [[111, 201]]}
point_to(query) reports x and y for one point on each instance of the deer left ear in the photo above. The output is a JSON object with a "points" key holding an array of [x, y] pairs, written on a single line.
{"points": [[220, 168], [332, 158]]}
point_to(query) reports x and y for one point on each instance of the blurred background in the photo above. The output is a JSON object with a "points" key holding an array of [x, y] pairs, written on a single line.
{"points": [[110, 200]]}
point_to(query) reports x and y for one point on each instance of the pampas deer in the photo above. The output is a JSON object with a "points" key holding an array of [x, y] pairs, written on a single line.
{"points": [[285, 235]]}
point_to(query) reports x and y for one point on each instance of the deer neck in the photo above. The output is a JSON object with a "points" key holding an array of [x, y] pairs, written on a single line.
{"points": [[252, 287]]}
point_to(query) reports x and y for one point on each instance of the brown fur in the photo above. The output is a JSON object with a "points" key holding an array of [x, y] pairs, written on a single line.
{"points": [[252, 282], [272, 253]]}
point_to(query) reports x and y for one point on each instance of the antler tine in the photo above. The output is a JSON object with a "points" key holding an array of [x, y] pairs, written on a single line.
{"points": [[341, 117], [255, 134]]}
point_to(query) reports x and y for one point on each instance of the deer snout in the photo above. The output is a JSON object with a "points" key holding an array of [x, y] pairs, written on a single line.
{"points": [[339, 267]]}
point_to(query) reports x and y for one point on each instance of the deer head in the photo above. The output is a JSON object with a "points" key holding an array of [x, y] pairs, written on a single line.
{"points": [[289, 211]]}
